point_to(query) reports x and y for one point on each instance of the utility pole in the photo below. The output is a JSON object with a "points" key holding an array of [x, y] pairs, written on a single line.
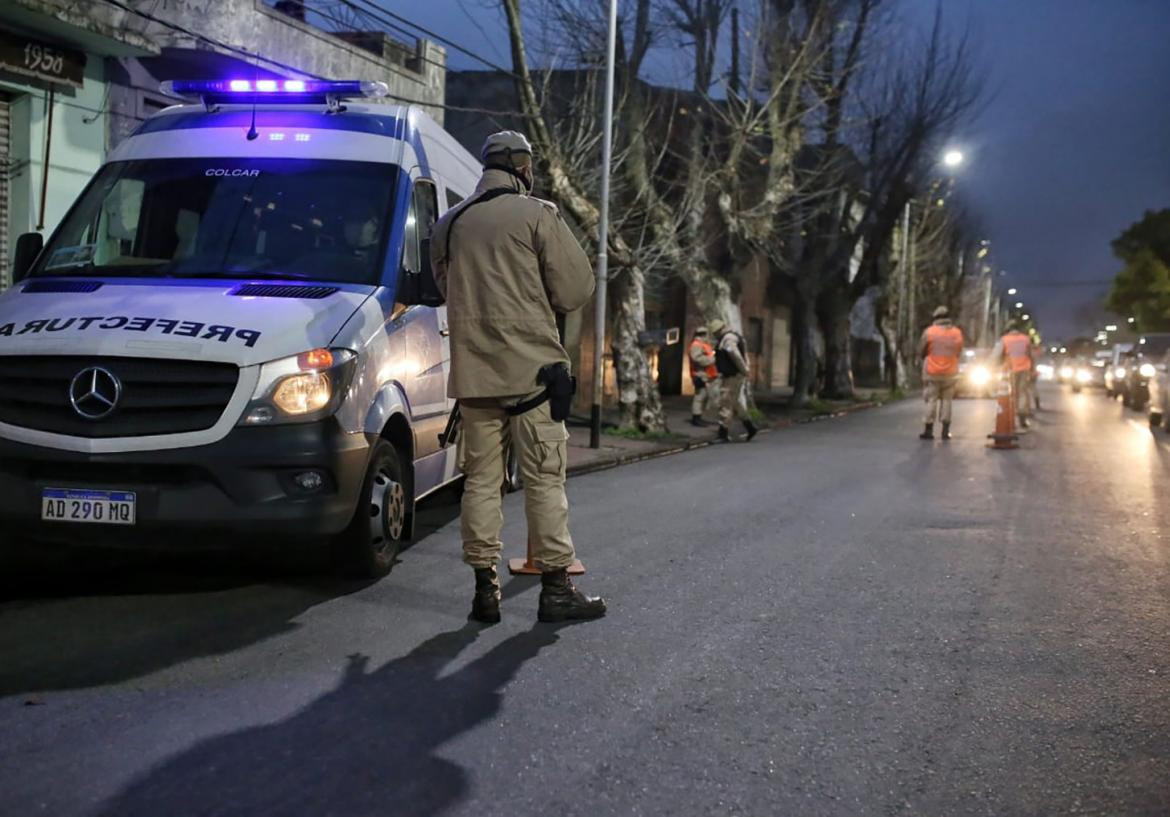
{"points": [[603, 235]]}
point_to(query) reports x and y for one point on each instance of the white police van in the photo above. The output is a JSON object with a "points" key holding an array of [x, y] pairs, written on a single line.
{"points": [[234, 332]]}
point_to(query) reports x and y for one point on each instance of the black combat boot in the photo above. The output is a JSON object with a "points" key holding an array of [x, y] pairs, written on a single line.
{"points": [[698, 421], [561, 601], [927, 433], [485, 607], [724, 437], [946, 435], [751, 429]]}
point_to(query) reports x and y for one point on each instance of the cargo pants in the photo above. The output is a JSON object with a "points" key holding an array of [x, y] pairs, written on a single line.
{"points": [[733, 404], [939, 394], [1023, 388], [541, 450], [706, 395]]}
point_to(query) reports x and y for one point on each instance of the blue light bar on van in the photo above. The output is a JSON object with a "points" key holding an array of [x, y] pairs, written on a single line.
{"points": [[249, 90]]}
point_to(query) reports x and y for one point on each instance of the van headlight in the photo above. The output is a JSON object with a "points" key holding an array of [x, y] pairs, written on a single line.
{"points": [[1147, 370], [1119, 373], [300, 389], [980, 375], [1066, 372], [1083, 376]]}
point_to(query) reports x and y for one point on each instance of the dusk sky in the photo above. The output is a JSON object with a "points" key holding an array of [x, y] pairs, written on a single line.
{"points": [[1072, 146]]}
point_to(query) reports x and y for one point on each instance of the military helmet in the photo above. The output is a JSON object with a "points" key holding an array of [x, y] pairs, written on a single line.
{"points": [[506, 142], [716, 326], [941, 312]]}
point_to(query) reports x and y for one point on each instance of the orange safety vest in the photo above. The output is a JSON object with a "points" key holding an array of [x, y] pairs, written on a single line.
{"points": [[943, 346], [1017, 349], [708, 351]]}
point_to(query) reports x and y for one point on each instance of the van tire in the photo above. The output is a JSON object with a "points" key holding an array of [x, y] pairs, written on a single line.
{"points": [[369, 547]]}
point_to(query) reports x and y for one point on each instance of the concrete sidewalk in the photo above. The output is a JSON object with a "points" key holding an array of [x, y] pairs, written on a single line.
{"points": [[620, 449]]}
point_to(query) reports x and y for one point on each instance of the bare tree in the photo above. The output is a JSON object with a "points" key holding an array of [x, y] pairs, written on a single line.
{"points": [[637, 391]]}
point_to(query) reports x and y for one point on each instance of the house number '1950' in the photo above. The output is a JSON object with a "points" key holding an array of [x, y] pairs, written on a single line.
{"points": [[43, 58]]}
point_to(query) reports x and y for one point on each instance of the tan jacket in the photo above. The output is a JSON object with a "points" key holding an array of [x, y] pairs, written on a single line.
{"points": [[514, 264]]}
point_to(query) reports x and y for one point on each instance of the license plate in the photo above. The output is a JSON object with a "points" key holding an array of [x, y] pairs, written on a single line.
{"points": [[89, 507]]}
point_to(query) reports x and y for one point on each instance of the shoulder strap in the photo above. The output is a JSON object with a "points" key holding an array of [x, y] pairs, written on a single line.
{"points": [[488, 195]]}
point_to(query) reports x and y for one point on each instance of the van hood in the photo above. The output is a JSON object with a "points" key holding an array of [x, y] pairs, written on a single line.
{"points": [[226, 321]]}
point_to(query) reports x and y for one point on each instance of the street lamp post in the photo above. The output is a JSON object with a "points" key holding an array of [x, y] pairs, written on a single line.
{"points": [[603, 234]]}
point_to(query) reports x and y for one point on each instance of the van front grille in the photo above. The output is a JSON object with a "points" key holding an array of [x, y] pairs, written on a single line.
{"points": [[151, 396]]}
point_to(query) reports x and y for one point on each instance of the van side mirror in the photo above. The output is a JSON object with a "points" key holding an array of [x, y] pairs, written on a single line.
{"points": [[419, 288], [28, 247]]}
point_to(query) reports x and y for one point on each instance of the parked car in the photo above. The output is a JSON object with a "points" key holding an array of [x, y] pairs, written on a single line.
{"points": [[1149, 352], [978, 377], [1158, 406]]}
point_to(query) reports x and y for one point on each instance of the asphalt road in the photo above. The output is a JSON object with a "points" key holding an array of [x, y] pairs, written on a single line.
{"points": [[836, 619]]}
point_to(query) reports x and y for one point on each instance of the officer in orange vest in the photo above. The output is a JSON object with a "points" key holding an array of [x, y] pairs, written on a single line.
{"points": [[1015, 351], [940, 348], [704, 375]]}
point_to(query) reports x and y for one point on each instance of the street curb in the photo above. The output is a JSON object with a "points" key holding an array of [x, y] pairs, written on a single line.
{"points": [[630, 459]]}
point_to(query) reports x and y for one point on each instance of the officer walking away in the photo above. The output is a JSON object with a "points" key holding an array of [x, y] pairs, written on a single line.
{"points": [[704, 375], [940, 348], [731, 363], [507, 264], [1014, 350]]}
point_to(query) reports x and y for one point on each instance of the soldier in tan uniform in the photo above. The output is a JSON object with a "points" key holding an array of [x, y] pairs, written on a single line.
{"points": [[733, 369], [507, 264]]}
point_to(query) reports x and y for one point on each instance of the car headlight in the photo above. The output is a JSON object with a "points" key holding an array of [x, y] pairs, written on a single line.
{"points": [[980, 375], [1147, 370], [300, 389], [1083, 376]]}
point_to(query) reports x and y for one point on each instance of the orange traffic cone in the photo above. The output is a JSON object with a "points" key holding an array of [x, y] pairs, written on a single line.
{"points": [[1005, 421], [529, 567]]}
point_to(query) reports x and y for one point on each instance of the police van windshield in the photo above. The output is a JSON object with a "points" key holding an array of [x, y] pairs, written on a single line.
{"points": [[226, 218]]}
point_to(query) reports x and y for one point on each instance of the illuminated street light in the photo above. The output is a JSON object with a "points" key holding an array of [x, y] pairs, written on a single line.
{"points": [[1026, 316], [1131, 320], [953, 158], [1012, 291], [1111, 327], [1019, 304]]}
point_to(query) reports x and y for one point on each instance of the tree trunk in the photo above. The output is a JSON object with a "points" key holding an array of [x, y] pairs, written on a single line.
{"points": [[835, 326], [569, 192], [896, 372], [806, 349], [638, 399]]}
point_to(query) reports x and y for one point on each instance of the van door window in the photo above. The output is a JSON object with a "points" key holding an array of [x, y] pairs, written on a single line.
{"points": [[423, 213]]}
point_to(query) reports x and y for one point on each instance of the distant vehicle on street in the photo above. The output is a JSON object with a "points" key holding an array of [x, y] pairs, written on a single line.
{"points": [[1158, 406], [235, 334], [1148, 353], [1117, 369], [978, 377], [1087, 373]]}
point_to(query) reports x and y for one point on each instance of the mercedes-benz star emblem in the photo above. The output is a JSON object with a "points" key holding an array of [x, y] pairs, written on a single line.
{"points": [[94, 393]]}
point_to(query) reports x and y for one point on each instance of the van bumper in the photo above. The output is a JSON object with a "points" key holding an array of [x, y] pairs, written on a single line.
{"points": [[241, 488]]}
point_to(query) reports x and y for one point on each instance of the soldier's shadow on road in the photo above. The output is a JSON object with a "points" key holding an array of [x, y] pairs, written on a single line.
{"points": [[369, 747]]}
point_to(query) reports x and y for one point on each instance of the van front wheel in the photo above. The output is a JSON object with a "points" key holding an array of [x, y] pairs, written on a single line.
{"points": [[369, 547]]}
